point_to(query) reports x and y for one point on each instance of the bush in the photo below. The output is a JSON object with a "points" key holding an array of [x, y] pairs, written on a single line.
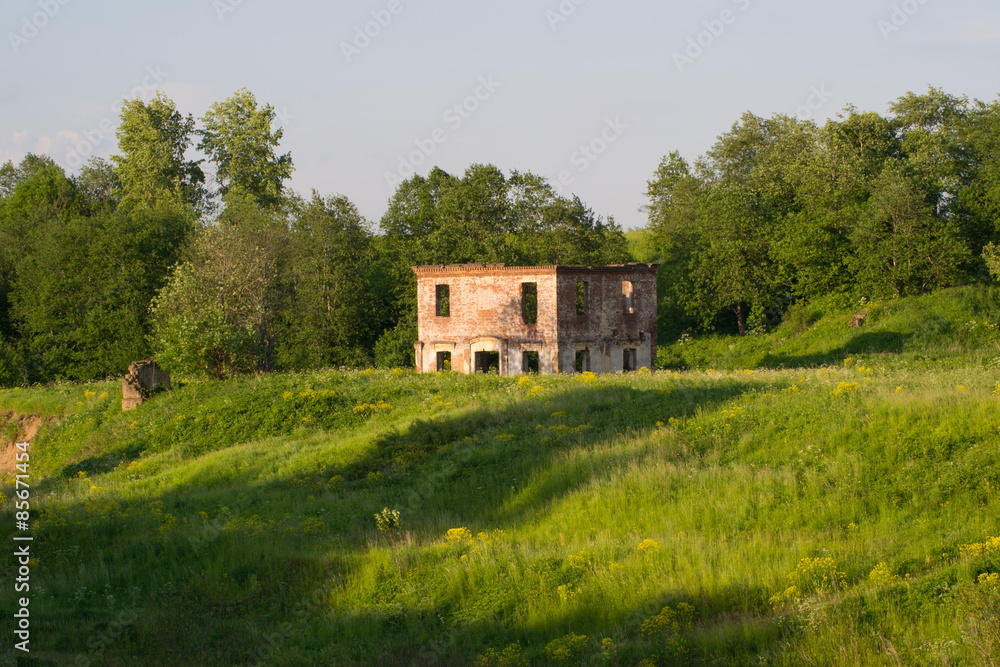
{"points": [[394, 348], [12, 372]]}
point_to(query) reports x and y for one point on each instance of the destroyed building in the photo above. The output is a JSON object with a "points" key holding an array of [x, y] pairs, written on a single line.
{"points": [[545, 319]]}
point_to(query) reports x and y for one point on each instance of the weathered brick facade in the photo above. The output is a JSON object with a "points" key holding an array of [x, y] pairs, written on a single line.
{"points": [[143, 379], [550, 319]]}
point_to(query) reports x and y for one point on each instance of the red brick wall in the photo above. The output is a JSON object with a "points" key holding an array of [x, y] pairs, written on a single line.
{"points": [[486, 301]]}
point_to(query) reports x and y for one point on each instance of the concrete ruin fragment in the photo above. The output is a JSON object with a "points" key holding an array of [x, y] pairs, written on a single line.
{"points": [[545, 319], [144, 378]]}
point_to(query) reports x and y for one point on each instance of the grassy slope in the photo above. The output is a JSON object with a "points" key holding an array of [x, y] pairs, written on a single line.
{"points": [[663, 517], [946, 328]]}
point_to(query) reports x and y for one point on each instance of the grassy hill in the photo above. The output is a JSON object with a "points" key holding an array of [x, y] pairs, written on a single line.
{"points": [[819, 494]]}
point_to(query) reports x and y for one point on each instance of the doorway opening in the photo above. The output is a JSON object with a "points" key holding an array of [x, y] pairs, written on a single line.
{"points": [[530, 362], [488, 362], [444, 361], [628, 359]]}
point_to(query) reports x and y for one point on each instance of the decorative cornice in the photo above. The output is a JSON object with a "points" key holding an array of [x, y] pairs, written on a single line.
{"points": [[500, 269]]}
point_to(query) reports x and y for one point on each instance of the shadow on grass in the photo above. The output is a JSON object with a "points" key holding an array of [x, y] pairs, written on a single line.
{"points": [[450, 471], [875, 342], [471, 464], [740, 634]]}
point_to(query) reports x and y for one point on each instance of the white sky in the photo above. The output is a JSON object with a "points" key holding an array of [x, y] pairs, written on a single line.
{"points": [[607, 76]]}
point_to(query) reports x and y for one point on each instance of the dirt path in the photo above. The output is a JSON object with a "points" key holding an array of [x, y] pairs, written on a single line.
{"points": [[28, 426]]}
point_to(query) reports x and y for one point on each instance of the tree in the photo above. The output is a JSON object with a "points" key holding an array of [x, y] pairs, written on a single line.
{"points": [[835, 177], [82, 289], [486, 217], [98, 186], [153, 138], [673, 195], [334, 315], [40, 189], [39, 196], [901, 247], [941, 160], [730, 267], [11, 176], [220, 312], [483, 217], [929, 128], [718, 231], [981, 196], [569, 233], [238, 139]]}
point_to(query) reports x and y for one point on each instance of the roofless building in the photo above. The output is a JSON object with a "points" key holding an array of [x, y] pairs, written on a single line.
{"points": [[545, 319]]}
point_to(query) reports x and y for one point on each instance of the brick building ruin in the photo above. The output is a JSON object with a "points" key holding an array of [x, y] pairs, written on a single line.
{"points": [[545, 319], [144, 378]]}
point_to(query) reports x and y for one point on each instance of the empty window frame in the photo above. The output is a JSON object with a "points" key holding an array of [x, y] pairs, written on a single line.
{"points": [[582, 362], [442, 301], [581, 297], [529, 303], [629, 359], [530, 362], [444, 361], [628, 297]]}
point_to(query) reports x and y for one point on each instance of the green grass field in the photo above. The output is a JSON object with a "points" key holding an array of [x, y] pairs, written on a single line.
{"points": [[818, 494]]}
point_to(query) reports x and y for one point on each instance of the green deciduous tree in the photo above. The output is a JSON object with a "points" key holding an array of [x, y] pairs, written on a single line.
{"points": [[11, 175], [153, 138], [334, 314], [220, 312], [835, 178], [239, 141], [483, 217], [37, 193], [717, 230], [901, 246], [673, 195], [731, 267], [981, 195], [780, 209], [80, 300], [41, 190], [98, 186]]}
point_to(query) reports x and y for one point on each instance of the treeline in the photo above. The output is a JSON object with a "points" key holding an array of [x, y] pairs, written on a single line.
{"points": [[865, 206], [214, 266], [217, 268]]}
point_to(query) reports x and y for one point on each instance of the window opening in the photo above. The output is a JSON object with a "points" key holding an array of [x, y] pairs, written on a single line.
{"points": [[442, 301], [529, 302], [628, 359], [581, 298], [628, 297], [582, 364]]}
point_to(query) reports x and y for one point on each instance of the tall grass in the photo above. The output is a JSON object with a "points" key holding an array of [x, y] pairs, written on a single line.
{"points": [[844, 513]]}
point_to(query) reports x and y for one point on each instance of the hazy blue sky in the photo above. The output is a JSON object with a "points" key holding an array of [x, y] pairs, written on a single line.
{"points": [[534, 81]]}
